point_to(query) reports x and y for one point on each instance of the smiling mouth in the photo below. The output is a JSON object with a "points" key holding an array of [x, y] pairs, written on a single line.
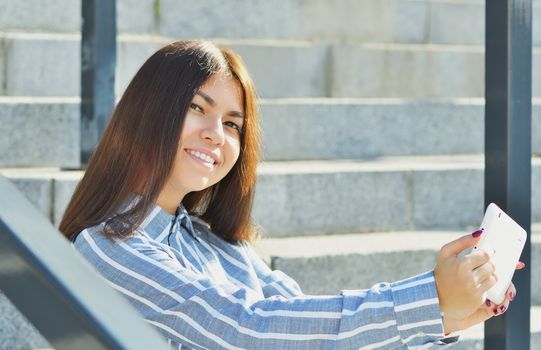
{"points": [[203, 157]]}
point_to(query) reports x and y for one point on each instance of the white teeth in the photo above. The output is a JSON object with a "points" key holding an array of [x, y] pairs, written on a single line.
{"points": [[202, 156]]}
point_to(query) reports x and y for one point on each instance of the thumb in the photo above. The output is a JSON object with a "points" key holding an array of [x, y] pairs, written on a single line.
{"points": [[480, 315], [454, 248]]}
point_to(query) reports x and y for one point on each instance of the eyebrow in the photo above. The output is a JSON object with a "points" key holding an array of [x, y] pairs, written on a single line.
{"points": [[211, 102]]}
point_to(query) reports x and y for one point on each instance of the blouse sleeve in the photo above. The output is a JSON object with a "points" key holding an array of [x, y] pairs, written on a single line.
{"points": [[273, 282], [189, 308]]}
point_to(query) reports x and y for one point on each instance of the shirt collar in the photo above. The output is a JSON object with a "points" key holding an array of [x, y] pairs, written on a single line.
{"points": [[157, 224]]}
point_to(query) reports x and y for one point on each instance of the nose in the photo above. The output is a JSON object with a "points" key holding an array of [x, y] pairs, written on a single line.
{"points": [[213, 131]]}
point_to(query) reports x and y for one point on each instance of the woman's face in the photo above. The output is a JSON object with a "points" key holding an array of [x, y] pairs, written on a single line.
{"points": [[210, 139]]}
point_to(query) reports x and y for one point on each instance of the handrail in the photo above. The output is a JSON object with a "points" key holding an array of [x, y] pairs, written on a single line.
{"points": [[508, 148], [61, 294], [98, 61]]}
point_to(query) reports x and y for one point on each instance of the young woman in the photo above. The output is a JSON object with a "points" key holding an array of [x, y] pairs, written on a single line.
{"points": [[184, 138]]}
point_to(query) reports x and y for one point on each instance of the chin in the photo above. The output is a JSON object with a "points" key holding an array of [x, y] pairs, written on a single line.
{"points": [[201, 186]]}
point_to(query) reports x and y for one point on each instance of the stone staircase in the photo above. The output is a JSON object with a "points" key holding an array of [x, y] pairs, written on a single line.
{"points": [[372, 120]]}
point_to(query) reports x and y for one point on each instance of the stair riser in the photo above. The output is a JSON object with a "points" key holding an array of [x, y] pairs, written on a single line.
{"points": [[40, 134], [304, 204], [408, 21], [405, 21], [413, 72], [374, 201], [47, 133], [64, 16], [50, 67], [305, 131], [16, 332]]}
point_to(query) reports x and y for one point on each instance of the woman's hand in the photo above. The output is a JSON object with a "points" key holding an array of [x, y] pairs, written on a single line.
{"points": [[462, 281], [483, 313]]}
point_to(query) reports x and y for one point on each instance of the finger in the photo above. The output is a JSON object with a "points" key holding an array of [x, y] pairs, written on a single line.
{"points": [[480, 315], [483, 272], [487, 283], [500, 309], [454, 248], [489, 305], [476, 259], [520, 265], [511, 292]]}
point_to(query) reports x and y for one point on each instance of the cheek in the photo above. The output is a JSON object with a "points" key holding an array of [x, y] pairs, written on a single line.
{"points": [[189, 126], [233, 151], [177, 166]]}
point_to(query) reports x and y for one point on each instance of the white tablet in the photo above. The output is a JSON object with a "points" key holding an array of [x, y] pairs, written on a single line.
{"points": [[504, 240]]}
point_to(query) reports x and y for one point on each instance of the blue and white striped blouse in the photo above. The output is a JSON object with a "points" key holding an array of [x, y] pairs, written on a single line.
{"points": [[204, 293]]}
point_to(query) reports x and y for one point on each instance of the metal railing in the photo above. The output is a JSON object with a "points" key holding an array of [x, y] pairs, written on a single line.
{"points": [[57, 290], [98, 61], [508, 148], [62, 295]]}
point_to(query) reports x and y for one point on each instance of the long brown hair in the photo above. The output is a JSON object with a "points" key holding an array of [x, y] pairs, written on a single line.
{"points": [[139, 145]]}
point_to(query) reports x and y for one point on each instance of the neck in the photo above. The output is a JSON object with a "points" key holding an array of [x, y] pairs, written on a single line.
{"points": [[169, 200]]}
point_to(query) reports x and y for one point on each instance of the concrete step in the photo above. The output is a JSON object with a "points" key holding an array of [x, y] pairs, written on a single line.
{"points": [[360, 128], [49, 189], [386, 194], [320, 128], [327, 264], [44, 131], [41, 64], [64, 16], [406, 21], [39, 132], [48, 65], [413, 70], [332, 197], [16, 332]]}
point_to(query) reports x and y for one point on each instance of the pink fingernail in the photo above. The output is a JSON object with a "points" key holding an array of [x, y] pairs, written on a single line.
{"points": [[503, 309], [495, 311], [488, 303], [477, 233]]}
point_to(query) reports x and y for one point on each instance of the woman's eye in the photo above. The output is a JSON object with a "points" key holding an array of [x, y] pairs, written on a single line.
{"points": [[196, 107], [233, 125]]}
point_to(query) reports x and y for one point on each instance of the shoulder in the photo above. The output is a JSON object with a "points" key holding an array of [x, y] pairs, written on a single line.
{"points": [[136, 249], [93, 231], [95, 239]]}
